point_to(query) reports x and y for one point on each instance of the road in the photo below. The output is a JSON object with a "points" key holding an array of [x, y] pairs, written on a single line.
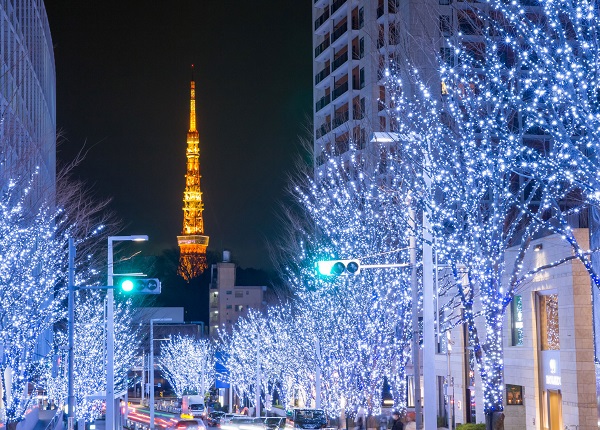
{"points": [[141, 414]]}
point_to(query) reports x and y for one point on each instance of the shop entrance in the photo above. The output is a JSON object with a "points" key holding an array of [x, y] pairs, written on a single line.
{"points": [[554, 409]]}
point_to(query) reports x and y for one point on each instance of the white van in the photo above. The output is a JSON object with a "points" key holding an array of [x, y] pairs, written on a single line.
{"points": [[193, 405]]}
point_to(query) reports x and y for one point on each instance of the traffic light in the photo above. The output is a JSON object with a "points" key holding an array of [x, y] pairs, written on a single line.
{"points": [[140, 285], [338, 267]]}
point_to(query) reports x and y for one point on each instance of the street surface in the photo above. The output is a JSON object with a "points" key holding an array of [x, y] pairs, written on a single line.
{"points": [[141, 414]]}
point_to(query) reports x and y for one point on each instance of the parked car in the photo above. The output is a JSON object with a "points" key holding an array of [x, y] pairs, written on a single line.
{"points": [[214, 418], [274, 423], [243, 423], [187, 425], [228, 417]]}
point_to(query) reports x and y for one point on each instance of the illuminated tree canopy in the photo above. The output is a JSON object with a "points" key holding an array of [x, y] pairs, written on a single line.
{"points": [[188, 364], [506, 152]]}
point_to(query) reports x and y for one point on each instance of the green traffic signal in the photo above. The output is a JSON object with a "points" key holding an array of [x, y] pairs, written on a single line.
{"points": [[127, 285], [338, 267], [140, 286]]}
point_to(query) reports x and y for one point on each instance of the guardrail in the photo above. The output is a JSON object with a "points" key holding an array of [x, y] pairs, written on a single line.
{"points": [[57, 418], [134, 425]]}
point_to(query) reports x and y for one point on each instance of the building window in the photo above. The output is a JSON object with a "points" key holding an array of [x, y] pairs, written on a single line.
{"points": [[239, 308], [514, 394], [446, 25], [239, 294], [447, 56], [228, 307], [445, 2], [549, 329], [517, 321], [228, 292], [361, 17], [361, 47]]}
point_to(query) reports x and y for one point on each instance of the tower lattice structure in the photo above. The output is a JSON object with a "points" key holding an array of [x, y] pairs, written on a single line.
{"points": [[192, 242]]}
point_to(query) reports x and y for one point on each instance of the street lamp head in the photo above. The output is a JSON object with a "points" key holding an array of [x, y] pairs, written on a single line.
{"points": [[133, 238]]}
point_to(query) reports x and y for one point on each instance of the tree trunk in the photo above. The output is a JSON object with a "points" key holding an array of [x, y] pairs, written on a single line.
{"points": [[494, 421], [492, 374]]}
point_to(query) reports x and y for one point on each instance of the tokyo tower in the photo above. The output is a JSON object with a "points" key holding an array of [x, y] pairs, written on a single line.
{"points": [[192, 242]]}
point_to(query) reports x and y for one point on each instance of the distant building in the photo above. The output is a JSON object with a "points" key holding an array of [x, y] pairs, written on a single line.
{"points": [[227, 301], [27, 95]]}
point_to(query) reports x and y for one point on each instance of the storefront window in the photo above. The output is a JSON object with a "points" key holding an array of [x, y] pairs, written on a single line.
{"points": [[517, 321], [549, 329], [514, 394]]}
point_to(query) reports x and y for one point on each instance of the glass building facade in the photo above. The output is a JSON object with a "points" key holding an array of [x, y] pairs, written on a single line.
{"points": [[27, 94]]}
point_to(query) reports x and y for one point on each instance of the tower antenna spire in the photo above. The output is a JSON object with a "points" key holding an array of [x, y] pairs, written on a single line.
{"points": [[192, 242]]}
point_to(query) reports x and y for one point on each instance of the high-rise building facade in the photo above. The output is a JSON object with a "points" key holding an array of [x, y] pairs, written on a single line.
{"points": [[27, 95], [28, 107], [192, 242], [354, 42]]}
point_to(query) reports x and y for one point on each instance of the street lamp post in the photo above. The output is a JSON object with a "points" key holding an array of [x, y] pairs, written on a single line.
{"points": [[151, 364], [110, 330]]}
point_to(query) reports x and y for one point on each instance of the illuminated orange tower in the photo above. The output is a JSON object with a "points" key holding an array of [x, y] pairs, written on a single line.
{"points": [[192, 242]]}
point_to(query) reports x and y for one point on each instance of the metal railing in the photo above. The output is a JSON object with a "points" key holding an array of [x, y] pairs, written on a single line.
{"points": [[339, 90], [323, 101], [339, 61], [320, 20], [339, 32], [322, 47], [339, 119], [322, 75], [57, 418], [336, 5]]}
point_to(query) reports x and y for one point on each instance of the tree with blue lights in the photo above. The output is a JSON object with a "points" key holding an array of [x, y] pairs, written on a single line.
{"points": [[90, 356], [34, 248], [188, 364], [504, 152], [261, 354], [357, 328], [32, 261]]}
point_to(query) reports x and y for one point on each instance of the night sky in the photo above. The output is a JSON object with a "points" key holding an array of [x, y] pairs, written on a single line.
{"points": [[123, 72]]}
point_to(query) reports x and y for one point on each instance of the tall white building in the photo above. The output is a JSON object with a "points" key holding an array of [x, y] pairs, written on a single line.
{"points": [[354, 41], [27, 94]]}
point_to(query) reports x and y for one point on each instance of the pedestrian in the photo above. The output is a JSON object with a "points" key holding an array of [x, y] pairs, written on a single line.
{"points": [[360, 423], [397, 423], [410, 421]]}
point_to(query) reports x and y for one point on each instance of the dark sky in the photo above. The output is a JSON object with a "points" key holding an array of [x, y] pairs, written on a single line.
{"points": [[123, 72]]}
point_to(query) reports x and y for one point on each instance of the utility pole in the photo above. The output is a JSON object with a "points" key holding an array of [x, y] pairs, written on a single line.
{"points": [[415, 317], [71, 334]]}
